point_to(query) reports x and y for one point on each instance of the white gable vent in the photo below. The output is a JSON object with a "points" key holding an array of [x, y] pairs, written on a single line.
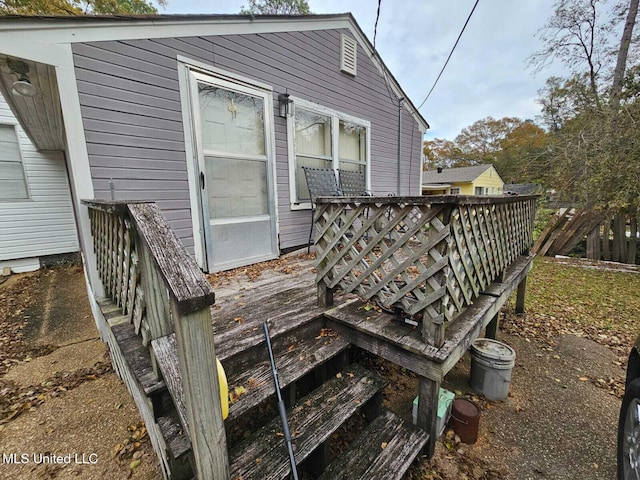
{"points": [[348, 55]]}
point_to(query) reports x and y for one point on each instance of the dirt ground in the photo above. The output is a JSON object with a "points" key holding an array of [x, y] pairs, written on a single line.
{"points": [[59, 396]]}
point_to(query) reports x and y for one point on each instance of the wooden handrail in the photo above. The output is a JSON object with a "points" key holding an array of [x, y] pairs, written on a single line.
{"points": [[147, 272], [431, 199], [429, 256], [179, 272]]}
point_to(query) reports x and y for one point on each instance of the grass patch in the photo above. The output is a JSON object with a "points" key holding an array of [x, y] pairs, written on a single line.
{"points": [[570, 298]]}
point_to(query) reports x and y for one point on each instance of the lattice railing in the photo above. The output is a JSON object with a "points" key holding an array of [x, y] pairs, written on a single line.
{"points": [[118, 263], [427, 256]]}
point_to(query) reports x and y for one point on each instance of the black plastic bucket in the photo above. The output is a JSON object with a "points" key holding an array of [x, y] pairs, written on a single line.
{"points": [[465, 419]]}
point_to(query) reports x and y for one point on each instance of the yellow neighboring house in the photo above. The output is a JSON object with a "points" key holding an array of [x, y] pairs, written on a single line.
{"points": [[476, 180]]}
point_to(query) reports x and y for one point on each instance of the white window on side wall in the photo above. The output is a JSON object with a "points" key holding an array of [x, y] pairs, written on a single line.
{"points": [[13, 182], [454, 191], [320, 137]]}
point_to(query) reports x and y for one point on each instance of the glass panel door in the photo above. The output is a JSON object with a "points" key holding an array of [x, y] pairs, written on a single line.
{"points": [[235, 163]]}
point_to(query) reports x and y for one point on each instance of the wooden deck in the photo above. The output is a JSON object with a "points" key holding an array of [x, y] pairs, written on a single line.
{"points": [[165, 333]]}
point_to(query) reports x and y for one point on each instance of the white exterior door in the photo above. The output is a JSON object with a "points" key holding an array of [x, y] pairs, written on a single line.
{"points": [[233, 126]]}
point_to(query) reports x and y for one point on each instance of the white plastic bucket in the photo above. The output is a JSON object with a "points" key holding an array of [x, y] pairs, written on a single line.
{"points": [[491, 366]]}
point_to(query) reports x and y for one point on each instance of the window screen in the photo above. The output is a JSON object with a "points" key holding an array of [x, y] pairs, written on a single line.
{"points": [[13, 185]]}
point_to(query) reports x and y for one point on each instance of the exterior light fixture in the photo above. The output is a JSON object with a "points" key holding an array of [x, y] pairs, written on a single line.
{"points": [[286, 105], [22, 86]]}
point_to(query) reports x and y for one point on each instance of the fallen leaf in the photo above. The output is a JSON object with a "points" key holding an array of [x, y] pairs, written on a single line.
{"points": [[291, 348], [135, 464], [383, 445]]}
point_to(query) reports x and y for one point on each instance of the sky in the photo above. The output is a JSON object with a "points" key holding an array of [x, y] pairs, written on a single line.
{"points": [[487, 74]]}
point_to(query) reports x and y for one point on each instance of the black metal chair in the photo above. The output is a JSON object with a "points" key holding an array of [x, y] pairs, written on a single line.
{"points": [[321, 182], [352, 184]]}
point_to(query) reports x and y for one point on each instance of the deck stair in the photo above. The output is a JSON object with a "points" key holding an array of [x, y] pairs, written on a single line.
{"points": [[384, 450], [312, 419]]}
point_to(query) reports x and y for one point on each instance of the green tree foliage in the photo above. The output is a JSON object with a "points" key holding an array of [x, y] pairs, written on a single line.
{"points": [[76, 7], [515, 147], [276, 7], [593, 148]]}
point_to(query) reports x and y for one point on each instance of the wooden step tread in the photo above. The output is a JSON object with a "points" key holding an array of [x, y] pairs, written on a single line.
{"points": [[383, 451], [311, 421], [137, 356], [177, 441], [292, 364], [237, 324]]}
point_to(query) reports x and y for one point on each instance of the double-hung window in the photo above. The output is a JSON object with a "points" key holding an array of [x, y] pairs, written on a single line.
{"points": [[323, 138], [13, 182]]}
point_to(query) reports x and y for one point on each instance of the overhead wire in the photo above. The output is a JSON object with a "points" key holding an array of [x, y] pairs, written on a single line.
{"points": [[450, 54], [390, 94], [375, 27]]}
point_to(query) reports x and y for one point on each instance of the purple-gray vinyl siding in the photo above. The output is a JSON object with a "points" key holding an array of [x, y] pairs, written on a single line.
{"points": [[130, 102]]}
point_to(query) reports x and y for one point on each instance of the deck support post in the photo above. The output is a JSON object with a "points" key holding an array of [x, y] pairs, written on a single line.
{"points": [[520, 296], [492, 328], [428, 412], [325, 295]]}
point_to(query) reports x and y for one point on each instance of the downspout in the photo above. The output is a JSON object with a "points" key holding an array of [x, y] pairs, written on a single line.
{"points": [[400, 100]]}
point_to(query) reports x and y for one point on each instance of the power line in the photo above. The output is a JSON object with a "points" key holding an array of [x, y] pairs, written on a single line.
{"points": [[375, 53], [375, 27], [450, 53]]}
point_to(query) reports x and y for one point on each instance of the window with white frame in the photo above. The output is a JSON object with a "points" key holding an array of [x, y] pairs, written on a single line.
{"points": [[13, 183], [454, 191], [323, 138], [481, 190]]}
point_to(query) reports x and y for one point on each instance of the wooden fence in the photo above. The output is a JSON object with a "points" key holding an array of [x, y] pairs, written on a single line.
{"points": [[427, 256], [149, 276], [611, 236]]}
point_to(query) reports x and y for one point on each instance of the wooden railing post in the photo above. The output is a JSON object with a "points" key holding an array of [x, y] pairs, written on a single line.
{"points": [[196, 354]]}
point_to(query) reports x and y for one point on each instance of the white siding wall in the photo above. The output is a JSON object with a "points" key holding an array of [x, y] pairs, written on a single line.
{"points": [[44, 224]]}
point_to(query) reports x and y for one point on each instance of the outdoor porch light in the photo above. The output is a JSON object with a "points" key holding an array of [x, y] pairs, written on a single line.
{"points": [[23, 86], [286, 105]]}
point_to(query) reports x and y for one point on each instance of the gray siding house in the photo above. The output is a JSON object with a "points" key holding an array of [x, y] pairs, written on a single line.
{"points": [[188, 112]]}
